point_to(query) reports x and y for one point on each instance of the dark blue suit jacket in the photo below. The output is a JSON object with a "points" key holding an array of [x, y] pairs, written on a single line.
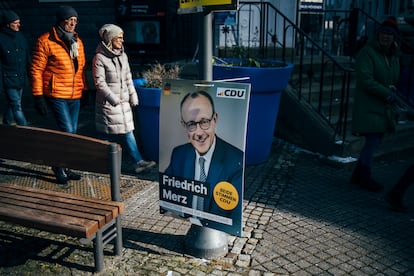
{"points": [[226, 165]]}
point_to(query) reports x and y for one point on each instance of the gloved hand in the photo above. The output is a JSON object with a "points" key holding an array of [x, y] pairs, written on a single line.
{"points": [[40, 105], [113, 99], [391, 99]]}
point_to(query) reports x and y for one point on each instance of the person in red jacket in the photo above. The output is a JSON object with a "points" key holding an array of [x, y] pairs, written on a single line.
{"points": [[58, 78]]}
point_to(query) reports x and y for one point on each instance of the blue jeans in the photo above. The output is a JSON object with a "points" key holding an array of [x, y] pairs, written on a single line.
{"points": [[372, 142], [66, 113], [128, 139], [13, 109]]}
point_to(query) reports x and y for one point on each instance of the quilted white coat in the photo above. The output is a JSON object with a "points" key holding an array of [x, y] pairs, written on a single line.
{"points": [[115, 91]]}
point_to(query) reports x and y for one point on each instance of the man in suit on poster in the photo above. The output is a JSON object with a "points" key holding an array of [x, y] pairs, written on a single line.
{"points": [[220, 162]]}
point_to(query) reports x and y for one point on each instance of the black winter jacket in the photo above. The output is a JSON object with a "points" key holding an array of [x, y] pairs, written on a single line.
{"points": [[14, 59]]}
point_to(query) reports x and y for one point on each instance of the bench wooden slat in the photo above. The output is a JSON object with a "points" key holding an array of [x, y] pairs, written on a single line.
{"points": [[119, 205], [49, 221], [107, 212], [59, 197], [15, 200]]}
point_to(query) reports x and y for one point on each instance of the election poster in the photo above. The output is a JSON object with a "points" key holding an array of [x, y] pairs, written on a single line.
{"points": [[203, 127]]}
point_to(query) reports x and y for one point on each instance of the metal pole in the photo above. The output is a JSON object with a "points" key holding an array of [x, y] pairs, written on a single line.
{"points": [[115, 171], [206, 46], [201, 241]]}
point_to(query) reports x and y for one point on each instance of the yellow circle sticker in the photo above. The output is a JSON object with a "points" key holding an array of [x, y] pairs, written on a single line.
{"points": [[225, 195]]}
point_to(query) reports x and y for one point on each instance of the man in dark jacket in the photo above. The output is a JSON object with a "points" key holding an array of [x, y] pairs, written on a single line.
{"points": [[14, 61]]}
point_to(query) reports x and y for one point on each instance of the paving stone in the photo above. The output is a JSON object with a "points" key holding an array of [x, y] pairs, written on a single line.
{"points": [[301, 217]]}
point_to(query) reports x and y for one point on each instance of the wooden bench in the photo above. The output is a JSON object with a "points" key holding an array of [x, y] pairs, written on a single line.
{"points": [[90, 219]]}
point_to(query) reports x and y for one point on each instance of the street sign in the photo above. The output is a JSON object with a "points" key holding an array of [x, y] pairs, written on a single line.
{"points": [[193, 6], [311, 5]]}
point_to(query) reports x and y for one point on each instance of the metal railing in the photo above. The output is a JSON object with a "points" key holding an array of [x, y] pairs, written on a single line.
{"points": [[322, 49], [319, 78]]}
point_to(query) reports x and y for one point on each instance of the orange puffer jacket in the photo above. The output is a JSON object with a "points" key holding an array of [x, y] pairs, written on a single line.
{"points": [[53, 71]]}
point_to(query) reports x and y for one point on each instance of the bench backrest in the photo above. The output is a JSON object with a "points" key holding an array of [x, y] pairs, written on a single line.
{"points": [[61, 149]]}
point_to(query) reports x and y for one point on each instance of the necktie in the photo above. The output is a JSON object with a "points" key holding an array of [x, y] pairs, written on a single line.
{"points": [[198, 201], [203, 176]]}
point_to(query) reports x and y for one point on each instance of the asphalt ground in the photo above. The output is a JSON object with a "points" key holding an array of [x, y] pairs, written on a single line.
{"points": [[301, 217]]}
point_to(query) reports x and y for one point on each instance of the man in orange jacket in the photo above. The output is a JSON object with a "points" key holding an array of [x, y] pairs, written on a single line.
{"points": [[58, 78]]}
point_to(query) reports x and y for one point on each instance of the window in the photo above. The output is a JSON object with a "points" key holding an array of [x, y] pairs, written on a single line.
{"points": [[142, 32]]}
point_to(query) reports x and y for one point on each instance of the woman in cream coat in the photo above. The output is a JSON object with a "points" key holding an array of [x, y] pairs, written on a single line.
{"points": [[116, 93]]}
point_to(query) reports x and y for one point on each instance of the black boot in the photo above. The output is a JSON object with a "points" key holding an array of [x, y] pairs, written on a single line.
{"points": [[366, 182], [61, 177], [72, 175], [395, 196]]}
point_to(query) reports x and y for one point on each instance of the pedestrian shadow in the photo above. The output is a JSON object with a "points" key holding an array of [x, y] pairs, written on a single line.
{"points": [[144, 240], [127, 169], [18, 248], [22, 171]]}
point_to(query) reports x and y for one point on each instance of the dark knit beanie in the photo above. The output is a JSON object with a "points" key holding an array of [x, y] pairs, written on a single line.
{"points": [[65, 12], [389, 25], [9, 17]]}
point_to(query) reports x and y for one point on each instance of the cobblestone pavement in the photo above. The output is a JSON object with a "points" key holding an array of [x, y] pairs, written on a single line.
{"points": [[301, 217]]}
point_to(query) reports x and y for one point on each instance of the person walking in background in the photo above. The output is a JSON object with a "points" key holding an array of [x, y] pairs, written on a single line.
{"points": [[14, 62], [58, 78], [116, 93], [374, 109], [395, 197]]}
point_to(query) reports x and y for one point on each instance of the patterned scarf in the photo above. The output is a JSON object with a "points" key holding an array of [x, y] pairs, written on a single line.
{"points": [[70, 40]]}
